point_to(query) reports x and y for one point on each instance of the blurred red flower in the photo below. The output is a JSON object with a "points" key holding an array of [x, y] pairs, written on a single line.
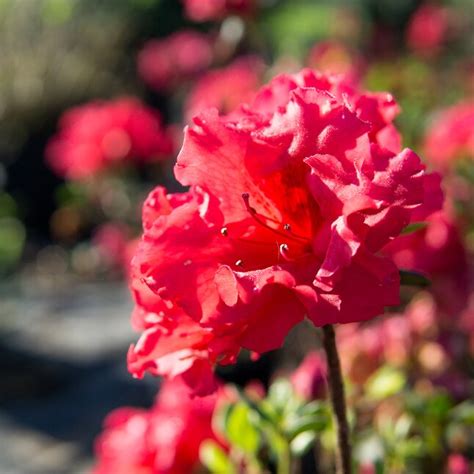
{"points": [[366, 348], [427, 29], [112, 239], [164, 63], [458, 464], [451, 135], [291, 200], [436, 249], [99, 135], [226, 88], [162, 440], [309, 378], [206, 10]]}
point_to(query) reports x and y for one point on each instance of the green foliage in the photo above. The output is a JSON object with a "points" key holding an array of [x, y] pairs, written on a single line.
{"points": [[214, 458], [294, 26], [241, 430], [270, 429], [385, 382], [12, 241], [416, 431]]}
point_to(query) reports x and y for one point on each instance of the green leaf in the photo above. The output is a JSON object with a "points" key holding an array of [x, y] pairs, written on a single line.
{"points": [[464, 412], [314, 423], [412, 278], [214, 458], [280, 393], [387, 381], [315, 407], [263, 408], [219, 420], [438, 406], [302, 443], [240, 431], [402, 426], [413, 227]]}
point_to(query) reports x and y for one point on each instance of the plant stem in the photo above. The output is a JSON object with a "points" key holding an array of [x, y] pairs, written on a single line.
{"points": [[284, 459], [338, 401]]}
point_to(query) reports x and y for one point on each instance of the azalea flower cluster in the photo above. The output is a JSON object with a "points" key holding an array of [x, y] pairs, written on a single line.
{"points": [[162, 440], [166, 63], [99, 135], [423, 335], [451, 136], [229, 431], [242, 77], [291, 200], [177, 433], [428, 29]]}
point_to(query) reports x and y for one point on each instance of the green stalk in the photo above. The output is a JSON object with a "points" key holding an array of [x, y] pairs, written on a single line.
{"points": [[338, 401]]}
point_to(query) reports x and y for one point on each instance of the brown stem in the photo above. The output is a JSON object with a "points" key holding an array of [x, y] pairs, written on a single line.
{"points": [[338, 401]]}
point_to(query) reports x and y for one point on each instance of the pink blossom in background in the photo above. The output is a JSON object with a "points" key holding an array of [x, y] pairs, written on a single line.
{"points": [[164, 63], [162, 440], [100, 135], [451, 135], [435, 249], [112, 239], [225, 88], [427, 29], [367, 347], [333, 57], [291, 200], [309, 378], [208, 10], [422, 334], [458, 464]]}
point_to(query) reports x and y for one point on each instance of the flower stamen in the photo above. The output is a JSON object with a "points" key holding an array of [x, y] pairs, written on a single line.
{"points": [[258, 218]]}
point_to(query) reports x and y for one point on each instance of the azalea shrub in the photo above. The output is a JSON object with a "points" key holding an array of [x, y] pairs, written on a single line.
{"points": [[289, 428], [286, 188]]}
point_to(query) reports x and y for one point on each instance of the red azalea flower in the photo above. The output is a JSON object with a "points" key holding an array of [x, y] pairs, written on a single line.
{"points": [[226, 88], [206, 10], [96, 136], [172, 343], [309, 379], [451, 135], [163, 440], [164, 63], [427, 29], [291, 201]]}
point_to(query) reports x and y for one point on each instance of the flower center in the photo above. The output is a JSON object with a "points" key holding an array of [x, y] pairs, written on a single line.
{"points": [[278, 239]]}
